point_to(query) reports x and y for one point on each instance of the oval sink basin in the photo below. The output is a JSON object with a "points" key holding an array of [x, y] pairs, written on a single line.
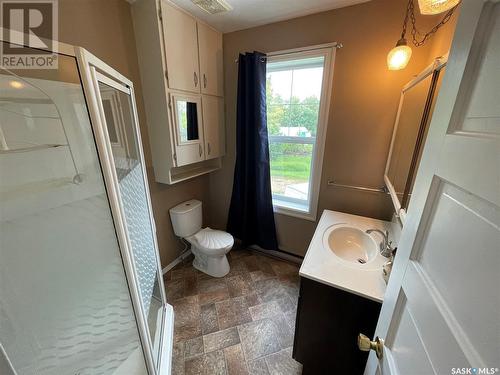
{"points": [[351, 245]]}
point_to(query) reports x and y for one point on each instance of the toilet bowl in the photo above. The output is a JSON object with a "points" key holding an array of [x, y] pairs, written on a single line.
{"points": [[208, 246]]}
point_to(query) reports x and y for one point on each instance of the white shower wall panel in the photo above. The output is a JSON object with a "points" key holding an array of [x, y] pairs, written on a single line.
{"points": [[65, 307], [79, 315]]}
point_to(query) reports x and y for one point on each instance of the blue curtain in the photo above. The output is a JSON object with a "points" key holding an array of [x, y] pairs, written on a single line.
{"points": [[251, 217], [192, 121]]}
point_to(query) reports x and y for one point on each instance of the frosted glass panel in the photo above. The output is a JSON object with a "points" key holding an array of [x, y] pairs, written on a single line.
{"points": [[120, 120], [65, 306]]}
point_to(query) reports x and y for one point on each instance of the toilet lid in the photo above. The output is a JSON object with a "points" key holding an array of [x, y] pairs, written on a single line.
{"points": [[213, 239]]}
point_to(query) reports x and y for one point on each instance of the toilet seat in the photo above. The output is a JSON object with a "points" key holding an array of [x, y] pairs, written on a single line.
{"points": [[211, 239], [210, 247]]}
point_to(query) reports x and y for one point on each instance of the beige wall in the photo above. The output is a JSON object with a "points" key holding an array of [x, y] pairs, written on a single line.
{"points": [[104, 27], [362, 112], [363, 107]]}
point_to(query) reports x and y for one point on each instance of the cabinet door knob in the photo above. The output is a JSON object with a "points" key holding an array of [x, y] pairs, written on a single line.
{"points": [[365, 345], [195, 78], [204, 81]]}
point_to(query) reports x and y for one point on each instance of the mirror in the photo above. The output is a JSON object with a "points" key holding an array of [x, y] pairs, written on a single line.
{"points": [[410, 120], [418, 151], [410, 131], [186, 118]]}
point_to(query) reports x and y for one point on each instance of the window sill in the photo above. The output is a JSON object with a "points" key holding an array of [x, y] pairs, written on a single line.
{"points": [[300, 211]]}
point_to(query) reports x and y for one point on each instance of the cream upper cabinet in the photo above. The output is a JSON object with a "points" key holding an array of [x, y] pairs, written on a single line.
{"points": [[210, 49], [213, 124], [180, 61], [181, 48]]}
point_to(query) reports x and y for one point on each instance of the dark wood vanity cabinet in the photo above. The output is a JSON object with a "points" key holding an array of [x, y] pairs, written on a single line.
{"points": [[327, 326]]}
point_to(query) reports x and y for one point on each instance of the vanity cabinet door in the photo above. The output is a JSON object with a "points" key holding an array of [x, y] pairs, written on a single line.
{"points": [[187, 120], [213, 124], [181, 49], [327, 327], [210, 49]]}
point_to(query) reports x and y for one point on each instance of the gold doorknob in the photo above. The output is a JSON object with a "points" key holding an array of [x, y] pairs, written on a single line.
{"points": [[365, 345]]}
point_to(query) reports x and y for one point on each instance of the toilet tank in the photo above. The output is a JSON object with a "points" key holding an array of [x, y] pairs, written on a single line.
{"points": [[186, 218]]}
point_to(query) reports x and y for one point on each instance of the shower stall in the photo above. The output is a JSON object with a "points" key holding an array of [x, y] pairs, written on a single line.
{"points": [[81, 289]]}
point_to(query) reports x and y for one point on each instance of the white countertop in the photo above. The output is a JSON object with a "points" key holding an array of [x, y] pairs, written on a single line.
{"points": [[321, 265]]}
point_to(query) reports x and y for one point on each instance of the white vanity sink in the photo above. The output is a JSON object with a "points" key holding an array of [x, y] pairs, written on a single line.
{"points": [[341, 254], [350, 244]]}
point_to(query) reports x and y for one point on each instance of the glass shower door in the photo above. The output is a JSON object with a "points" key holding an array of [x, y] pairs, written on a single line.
{"points": [[118, 109], [65, 306]]}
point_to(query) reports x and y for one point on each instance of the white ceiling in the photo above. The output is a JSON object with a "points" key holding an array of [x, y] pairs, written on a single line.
{"points": [[250, 13]]}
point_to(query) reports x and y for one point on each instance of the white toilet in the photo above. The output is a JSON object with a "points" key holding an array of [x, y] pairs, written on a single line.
{"points": [[209, 246]]}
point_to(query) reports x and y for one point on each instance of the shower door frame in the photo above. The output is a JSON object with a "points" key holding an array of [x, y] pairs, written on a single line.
{"points": [[93, 70], [84, 60]]}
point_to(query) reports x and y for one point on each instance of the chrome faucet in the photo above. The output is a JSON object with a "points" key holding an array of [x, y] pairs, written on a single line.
{"points": [[386, 245]]}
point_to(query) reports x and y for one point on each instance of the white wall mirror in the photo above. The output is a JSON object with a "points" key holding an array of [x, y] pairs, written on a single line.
{"points": [[187, 118], [410, 130]]}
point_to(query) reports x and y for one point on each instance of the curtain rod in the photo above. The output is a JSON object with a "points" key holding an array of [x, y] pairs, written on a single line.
{"points": [[336, 45]]}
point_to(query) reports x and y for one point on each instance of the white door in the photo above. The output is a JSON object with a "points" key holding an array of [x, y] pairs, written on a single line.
{"points": [[181, 48], [441, 310], [210, 47], [213, 125]]}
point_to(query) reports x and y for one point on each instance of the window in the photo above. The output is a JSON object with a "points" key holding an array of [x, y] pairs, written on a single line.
{"points": [[297, 92]]}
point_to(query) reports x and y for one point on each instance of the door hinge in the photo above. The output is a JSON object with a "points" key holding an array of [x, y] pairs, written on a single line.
{"points": [[175, 157], [166, 76], [160, 16]]}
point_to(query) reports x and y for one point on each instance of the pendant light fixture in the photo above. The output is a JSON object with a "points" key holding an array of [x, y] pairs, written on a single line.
{"points": [[430, 7], [400, 55]]}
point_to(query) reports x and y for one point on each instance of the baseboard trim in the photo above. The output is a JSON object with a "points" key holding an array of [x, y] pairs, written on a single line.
{"points": [[176, 261], [274, 253], [279, 254]]}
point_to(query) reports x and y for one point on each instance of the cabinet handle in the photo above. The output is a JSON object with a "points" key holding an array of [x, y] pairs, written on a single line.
{"points": [[204, 81], [199, 147], [195, 79], [208, 146]]}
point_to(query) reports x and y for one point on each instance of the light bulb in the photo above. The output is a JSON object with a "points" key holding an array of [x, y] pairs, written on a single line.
{"points": [[16, 84], [399, 56], [429, 7]]}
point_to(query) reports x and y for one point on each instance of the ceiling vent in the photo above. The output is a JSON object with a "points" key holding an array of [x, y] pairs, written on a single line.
{"points": [[213, 6]]}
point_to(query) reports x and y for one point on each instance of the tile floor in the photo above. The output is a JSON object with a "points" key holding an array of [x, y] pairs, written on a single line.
{"points": [[242, 323]]}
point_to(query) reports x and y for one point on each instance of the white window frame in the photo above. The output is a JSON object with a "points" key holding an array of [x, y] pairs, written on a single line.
{"points": [[285, 205]]}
